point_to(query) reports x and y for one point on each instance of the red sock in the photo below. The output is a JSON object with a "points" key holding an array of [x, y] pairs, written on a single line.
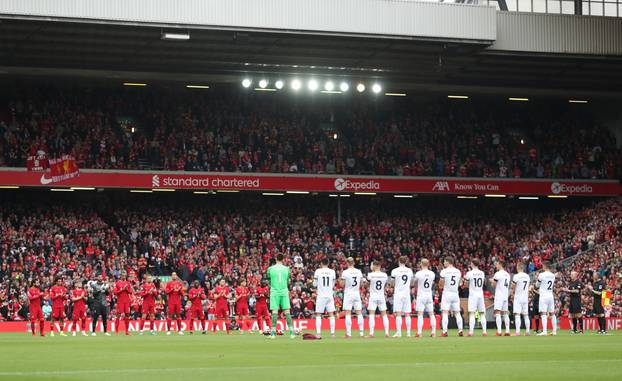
{"points": [[260, 324], [168, 324], [191, 325], [84, 324], [203, 325], [226, 326], [117, 321], [142, 324], [127, 324], [178, 325], [152, 326], [75, 326], [61, 326], [32, 327], [41, 325], [214, 325]]}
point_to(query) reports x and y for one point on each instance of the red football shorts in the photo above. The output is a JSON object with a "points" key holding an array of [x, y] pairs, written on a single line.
{"points": [[242, 310], [261, 310], [148, 309], [79, 313], [123, 308], [197, 313], [58, 312], [222, 312], [174, 309], [35, 314]]}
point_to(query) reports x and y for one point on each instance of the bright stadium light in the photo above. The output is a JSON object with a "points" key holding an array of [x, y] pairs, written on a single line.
{"points": [[376, 88], [329, 86], [296, 85], [360, 87], [278, 84], [344, 87], [313, 85], [263, 83], [247, 82], [169, 36]]}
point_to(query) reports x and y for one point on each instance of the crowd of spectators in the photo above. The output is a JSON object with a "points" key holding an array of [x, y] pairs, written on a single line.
{"points": [[236, 238], [238, 131]]}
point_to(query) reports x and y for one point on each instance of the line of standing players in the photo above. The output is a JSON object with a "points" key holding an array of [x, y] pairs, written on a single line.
{"points": [[95, 298]]}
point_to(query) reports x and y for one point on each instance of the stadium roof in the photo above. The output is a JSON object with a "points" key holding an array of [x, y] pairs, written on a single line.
{"points": [[104, 50]]}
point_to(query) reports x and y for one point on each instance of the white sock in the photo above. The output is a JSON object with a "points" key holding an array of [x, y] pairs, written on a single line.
{"points": [[517, 323], [398, 325], [419, 324], [444, 321], [459, 322], [506, 319], [332, 325], [554, 322], [471, 321], [482, 321], [385, 322], [545, 321], [408, 325], [361, 323], [498, 321], [527, 323], [372, 323], [318, 325], [432, 322], [349, 325]]}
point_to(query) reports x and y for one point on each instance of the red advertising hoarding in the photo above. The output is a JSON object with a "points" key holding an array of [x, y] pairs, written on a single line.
{"points": [[313, 183]]}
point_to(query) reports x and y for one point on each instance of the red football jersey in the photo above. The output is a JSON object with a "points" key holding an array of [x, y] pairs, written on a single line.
{"points": [[148, 291], [123, 289], [174, 290], [261, 294], [242, 295], [58, 294], [75, 293], [221, 294], [196, 295], [34, 296]]}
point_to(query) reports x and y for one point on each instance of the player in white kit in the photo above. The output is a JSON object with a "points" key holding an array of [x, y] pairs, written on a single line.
{"points": [[546, 283], [402, 305], [351, 279], [476, 279], [324, 280], [425, 302], [450, 299], [377, 281], [520, 289], [501, 282]]}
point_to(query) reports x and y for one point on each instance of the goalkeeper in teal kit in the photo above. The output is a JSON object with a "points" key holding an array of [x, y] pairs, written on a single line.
{"points": [[279, 294]]}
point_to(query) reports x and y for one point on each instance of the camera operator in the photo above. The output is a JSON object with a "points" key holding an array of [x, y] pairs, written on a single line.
{"points": [[98, 290]]}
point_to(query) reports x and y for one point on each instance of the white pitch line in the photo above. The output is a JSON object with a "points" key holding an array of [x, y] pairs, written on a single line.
{"points": [[269, 367]]}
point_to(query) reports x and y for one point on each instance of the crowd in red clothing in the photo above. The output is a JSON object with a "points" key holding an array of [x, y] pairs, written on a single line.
{"points": [[233, 240], [240, 132]]}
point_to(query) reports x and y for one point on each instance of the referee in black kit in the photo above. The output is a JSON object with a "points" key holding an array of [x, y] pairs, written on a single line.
{"points": [[574, 293], [597, 288]]}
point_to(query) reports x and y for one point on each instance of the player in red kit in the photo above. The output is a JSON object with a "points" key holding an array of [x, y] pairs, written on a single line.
{"points": [[35, 313], [262, 293], [123, 290], [241, 307], [58, 293], [221, 295], [196, 296], [78, 298], [148, 292], [174, 291]]}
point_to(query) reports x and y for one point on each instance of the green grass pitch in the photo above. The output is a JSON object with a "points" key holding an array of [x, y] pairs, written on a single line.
{"points": [[255, 358]]}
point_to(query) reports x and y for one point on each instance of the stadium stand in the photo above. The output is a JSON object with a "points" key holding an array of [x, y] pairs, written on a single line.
{"points": [[238, 132]]}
